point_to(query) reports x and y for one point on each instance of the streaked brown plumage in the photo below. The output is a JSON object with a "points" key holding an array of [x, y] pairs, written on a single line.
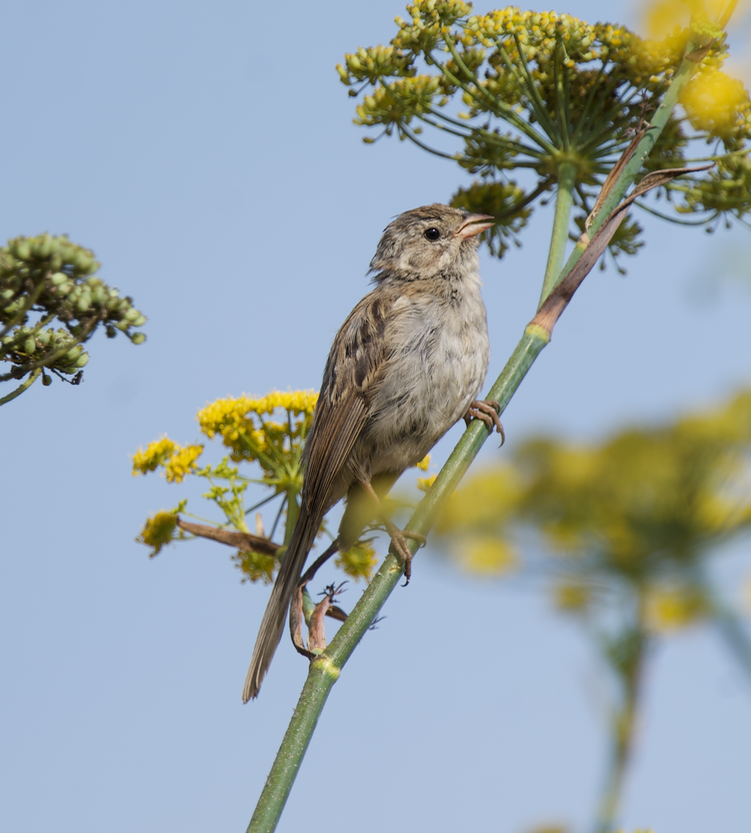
{"points": [[404, 367]]}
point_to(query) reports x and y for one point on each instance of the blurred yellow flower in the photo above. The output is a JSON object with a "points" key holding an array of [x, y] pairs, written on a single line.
{"points": [[572, 596], [662, 17], [255, 566], [424, 483], [359, 561], [424, 464], [488, 555], [674, 608], [158, 531], [715, 102]]}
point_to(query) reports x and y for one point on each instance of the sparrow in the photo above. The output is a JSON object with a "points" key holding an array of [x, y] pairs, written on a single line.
{"points": [[407, 364]]}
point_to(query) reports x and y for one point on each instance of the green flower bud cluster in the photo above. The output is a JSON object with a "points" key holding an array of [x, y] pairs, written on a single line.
{"points": [[570, 94], [497, 199], [48, 279]]}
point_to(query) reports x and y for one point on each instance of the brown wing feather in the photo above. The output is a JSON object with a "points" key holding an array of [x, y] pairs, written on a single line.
{"points": [[341, 414], [343, 405]]}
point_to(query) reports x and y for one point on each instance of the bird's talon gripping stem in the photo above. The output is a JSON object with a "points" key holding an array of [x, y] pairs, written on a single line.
{"points": [[400, 548], [487, 410]]}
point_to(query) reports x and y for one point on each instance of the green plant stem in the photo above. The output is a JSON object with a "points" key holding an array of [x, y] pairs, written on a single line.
{"points": [[624, 726], [325, 669], [564, 203], [685, 72], [732, 630], [299, 732], [25, 385]]}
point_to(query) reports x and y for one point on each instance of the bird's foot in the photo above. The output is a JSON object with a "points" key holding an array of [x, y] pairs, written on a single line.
{"points": [[401, 549], [487, 410]]}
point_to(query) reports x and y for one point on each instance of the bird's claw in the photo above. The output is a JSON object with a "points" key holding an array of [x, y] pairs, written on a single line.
{"points": [[487, 410]]}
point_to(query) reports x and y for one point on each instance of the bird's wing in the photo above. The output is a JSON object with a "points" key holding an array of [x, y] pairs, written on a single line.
{"points": [[355, 363]]}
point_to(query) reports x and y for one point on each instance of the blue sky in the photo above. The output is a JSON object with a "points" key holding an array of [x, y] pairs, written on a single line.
{"points": [[206, 153]]}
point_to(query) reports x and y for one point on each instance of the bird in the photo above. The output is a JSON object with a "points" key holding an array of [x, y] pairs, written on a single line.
{"points": [[407, 363]]}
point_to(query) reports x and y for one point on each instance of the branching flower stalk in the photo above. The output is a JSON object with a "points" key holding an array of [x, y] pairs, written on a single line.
{"points": [[538, 88]]}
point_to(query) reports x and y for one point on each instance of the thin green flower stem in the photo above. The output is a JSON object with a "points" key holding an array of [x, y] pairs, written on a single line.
{"points": [[466, 135], [403, 129], [10, 347], [716, 158], [25, 385], [261, 503], [530, 197], [325, 669], [527, 82], [31, 299], [601, 98], [49, 359], [281, 458], [293, 510], [499, 107], [670, 219], [611, 129], [605, 137], [624, 729], [265, 461], [492, 138], [564, 203], [561, 110], [278, 518], [462, 134]]}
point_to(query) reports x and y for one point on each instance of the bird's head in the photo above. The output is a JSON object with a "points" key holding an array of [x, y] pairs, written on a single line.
{"points": [[428, 241]]}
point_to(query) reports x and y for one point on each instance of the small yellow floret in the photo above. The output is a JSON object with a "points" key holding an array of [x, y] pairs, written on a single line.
{"points": [[153, 457]]}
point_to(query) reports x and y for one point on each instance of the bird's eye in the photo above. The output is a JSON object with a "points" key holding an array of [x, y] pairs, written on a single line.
{"points": [[432, 234]]}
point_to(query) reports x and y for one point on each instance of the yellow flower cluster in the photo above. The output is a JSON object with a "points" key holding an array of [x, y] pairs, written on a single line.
{"points": [[373, 63], [715, 103], [359, 561], [399, 102], [176, 460], [571, 93], [536, 34], [153, 457], [637, 517], [430, 21], [158, 531], [255, 566], [675, 608], [241, 423]]}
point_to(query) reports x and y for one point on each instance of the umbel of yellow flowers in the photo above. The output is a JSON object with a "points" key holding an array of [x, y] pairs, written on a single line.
{"points": [[268, 433], [525, 100]]}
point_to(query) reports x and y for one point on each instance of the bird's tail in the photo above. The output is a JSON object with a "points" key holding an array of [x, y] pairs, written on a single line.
{"points": [[272, 623]]}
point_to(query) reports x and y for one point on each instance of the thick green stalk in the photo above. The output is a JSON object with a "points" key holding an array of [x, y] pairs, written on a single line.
{"points": [[564, 202], [320, 680], [324, 670]]}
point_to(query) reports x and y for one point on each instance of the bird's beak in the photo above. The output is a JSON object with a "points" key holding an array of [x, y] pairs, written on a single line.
{"points": [[473, 224]]}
